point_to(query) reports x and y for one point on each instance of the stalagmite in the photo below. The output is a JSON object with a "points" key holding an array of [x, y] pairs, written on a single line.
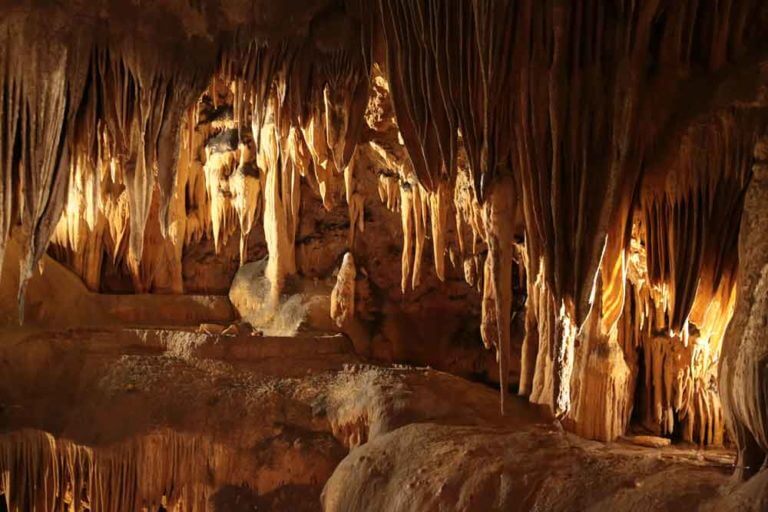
{"points": [[343, 295]]}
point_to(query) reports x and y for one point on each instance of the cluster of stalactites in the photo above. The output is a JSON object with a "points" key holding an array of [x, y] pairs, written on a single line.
{"points": [[481, 242], [305, 109], [40, 83], [96, 222], [447, 67], [303, 123], [232, 179], [516, 100], [72, 110], [217, 192], [138, 113], [424, 213], [678, 291], [164, 469], [631, 310], [677, 285], [80, 120], [84, 233], [466, 114], [679, 384], [676, 392], [691, 215], [686, 232]]}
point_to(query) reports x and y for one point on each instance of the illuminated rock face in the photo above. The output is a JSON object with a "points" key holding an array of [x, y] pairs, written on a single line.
{"points": [[586, 179], [743, 369]]}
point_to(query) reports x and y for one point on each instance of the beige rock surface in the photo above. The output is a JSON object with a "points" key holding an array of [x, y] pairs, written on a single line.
{"points": [[429, 466], [270, 418], [745, 354]]}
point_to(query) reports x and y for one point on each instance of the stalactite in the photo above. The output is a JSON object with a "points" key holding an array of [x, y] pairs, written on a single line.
{"points": [[355, 202], [246, 197], [469, 221], [176, 230], [298, 154], [541, 323], [291, 190], [530, 348], [324, 168], [420, 221], [406, 212], [276, 224], [438, 208], [499, 216], [415, 214], [389, 191]]}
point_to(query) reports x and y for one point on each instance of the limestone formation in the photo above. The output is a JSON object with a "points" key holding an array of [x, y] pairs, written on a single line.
{"points": [[566, 199], [343, 294], [743, 377]]}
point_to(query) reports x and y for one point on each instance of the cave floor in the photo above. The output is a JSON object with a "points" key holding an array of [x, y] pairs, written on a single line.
{"points": [[302, 423]]}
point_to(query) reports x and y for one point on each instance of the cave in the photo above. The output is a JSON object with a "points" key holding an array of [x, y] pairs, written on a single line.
{"points": [[383, 255]]}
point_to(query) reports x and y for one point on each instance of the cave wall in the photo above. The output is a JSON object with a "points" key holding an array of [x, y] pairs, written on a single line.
{"points": [[743, 367]]}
